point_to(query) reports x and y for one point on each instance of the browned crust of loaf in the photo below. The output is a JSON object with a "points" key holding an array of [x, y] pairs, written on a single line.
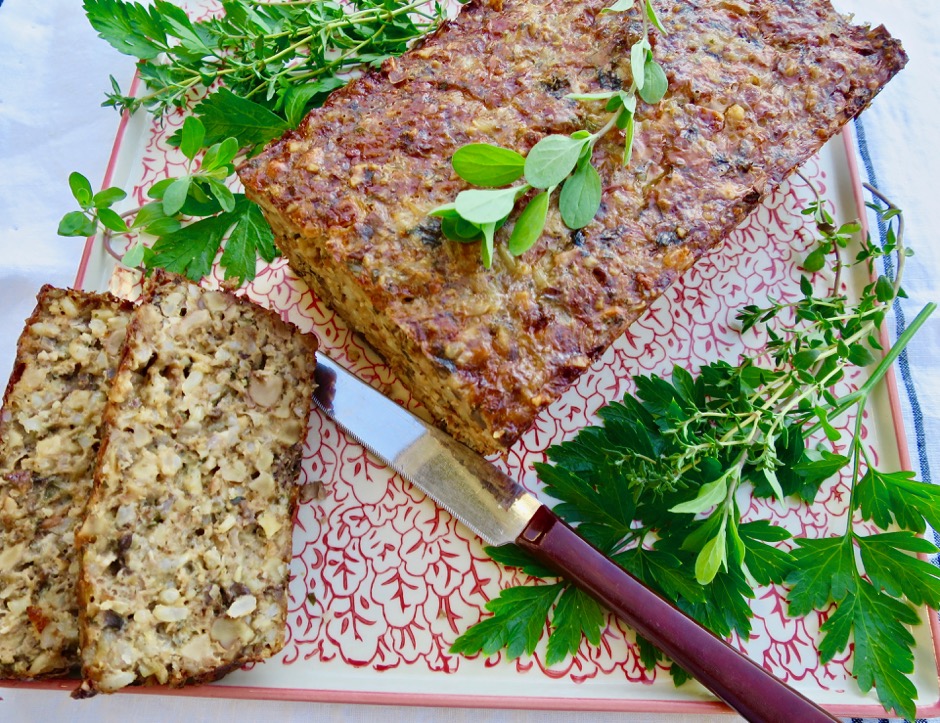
{"points": [[348, 192], [82, 299], [287, 471]]}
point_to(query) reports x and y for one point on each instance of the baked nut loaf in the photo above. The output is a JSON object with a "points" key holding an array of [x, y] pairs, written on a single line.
{"points": [[52, 410], [185, 548], [755, 88]]}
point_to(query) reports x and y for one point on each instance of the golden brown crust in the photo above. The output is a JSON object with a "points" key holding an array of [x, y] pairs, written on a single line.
{"points": [[755, 88], [186, 545], [48, 436]]}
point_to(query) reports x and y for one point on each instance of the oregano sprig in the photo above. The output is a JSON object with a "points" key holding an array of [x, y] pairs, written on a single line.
{"points": [[189, 217], [657, 485], [555, 162]]}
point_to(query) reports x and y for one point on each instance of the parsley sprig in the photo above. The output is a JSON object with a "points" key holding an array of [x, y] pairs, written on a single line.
{"points": [[657, 487], [555, 162]]}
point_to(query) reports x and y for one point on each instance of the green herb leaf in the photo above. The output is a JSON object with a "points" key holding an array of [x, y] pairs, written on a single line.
{"points": [[486, 207], [221, 193], [519, 617], [766, 563], [529, 225], [193, 135], [629, 129], [882, 655], [175, 195], [226, 115], [134, 256], [191, 250], [651, 14], [108, 197], [81, 189], [483, 164], [815, 260], [76, 223], [130, 28], [580, 196], [655, 83], [460, 230], [638, 55], [552, 159], [487, 247], [619, 6], [712, 558], [250, 238], [708, 496], [897, 498], [824, 571], [111, 220], [577, 615], [300, 99], [890, 564], [220, 156]]}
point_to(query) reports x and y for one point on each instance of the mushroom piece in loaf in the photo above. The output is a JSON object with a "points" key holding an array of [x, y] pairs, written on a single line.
{"points": [[185, 548], [52, 410], [755, 89]]}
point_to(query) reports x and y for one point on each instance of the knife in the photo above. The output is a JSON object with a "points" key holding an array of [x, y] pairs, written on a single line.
{"points": [[501, 511]]}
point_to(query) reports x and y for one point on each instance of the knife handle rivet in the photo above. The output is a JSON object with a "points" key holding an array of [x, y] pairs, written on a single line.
{"points": [[532, 534]]}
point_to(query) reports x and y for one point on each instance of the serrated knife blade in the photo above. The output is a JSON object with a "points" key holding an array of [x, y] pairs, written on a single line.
{"points": [[501, 511]]}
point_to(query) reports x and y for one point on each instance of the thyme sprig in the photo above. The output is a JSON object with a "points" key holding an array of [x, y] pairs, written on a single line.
{"points": [[285, 56]]}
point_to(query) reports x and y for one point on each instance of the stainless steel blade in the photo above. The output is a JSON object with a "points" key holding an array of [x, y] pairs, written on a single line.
{"points": [[461, 481]]}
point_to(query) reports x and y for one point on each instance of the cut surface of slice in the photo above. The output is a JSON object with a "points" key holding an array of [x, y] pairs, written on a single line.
{"points": [[185, 548], [66, 357]]}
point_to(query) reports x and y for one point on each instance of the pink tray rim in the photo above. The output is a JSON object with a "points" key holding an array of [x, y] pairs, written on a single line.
{"points": [[518, 702]]}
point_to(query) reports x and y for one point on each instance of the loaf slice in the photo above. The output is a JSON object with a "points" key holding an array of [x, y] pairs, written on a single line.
{"points": [[755, 88], [185, 548], [49, 423]]}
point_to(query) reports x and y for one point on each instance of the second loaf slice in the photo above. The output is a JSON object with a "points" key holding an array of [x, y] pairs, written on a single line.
{"points": [[185, 548]]}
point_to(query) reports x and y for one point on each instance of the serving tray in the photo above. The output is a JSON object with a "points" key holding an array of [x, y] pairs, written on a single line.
{"points": [[383, 581]]}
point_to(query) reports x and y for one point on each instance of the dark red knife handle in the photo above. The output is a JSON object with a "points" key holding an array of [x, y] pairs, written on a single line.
{"points": [[736, 679]]}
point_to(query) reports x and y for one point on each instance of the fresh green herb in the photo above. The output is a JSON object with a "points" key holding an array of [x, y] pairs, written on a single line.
{"points": [[284, 56], [657, 488], [555, 161], [200, 198], [275, 61]]}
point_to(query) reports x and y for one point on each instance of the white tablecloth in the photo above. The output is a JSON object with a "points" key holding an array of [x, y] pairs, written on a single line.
{"points": [[53, 73]]}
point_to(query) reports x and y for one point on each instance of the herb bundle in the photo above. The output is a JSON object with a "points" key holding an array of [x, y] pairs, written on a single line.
{"points": [[285, 56], [657, 487], [556, 161], [255, 71]]}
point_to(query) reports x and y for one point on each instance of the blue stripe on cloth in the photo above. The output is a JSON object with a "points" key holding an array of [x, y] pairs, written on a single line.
{"points": [[903, 362]]}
